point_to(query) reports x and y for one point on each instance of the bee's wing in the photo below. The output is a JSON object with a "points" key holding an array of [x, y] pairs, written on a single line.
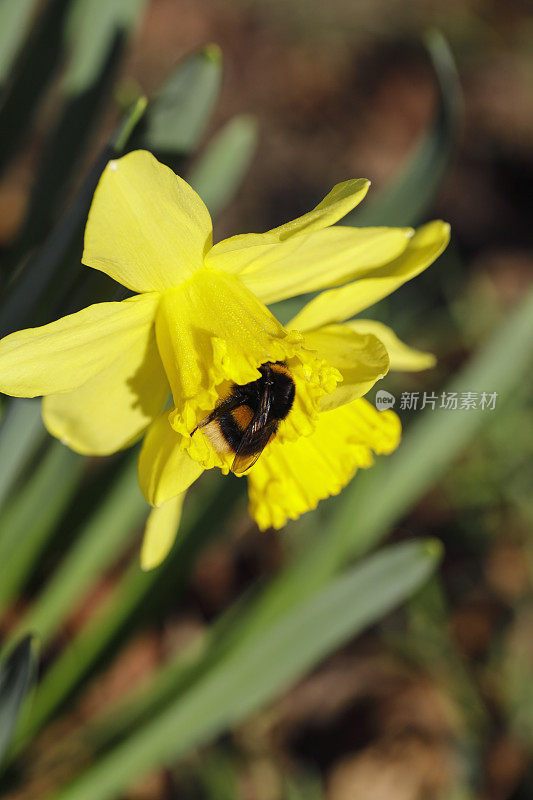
{"points": [[260, 435]]}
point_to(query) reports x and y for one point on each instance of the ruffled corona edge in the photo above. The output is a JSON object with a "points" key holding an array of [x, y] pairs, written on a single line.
{"points": [[291, 479], [213, 332]]}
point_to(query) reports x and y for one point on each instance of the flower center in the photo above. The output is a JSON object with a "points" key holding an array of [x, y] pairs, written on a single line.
{"points": [[246, 421], [215, 338]]}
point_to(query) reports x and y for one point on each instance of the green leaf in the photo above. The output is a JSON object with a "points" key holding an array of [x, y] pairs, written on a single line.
{"points": [[102, 538], [174, 677], [21, 433], [63, 152], [92, 28], [14, 22], [178, 114], [218, 173], [407, 199], [22, 300], [32, 514], [17, 673], [37, 66], [136, 591], [252, 674]]}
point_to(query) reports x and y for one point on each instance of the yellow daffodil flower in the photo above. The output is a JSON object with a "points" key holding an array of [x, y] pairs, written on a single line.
{"points": [[198, 325]]}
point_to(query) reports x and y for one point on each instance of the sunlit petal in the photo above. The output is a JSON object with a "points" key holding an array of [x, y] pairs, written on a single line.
{"points": [[344, 197], [238, 252], [63, 355], [147, 228], [165, 468], [401, 355], [290, 479], [160, 532], [361, 358], [112, 409], [336, 305], [310, 261]]}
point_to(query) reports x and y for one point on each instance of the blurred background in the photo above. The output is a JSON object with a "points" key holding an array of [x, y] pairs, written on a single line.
{"points": [[264, 106]]}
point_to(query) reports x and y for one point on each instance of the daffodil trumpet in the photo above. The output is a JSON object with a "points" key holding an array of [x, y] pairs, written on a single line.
{"points": [[198, 330]]}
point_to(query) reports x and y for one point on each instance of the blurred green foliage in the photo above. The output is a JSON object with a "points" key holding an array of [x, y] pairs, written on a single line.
{"points": [[65, 521], [17, 673]]}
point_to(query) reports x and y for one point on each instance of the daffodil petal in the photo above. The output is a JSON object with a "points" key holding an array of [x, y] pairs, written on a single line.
{"points": [[213, 332], [336, 204], [63, 355], [337, 305], [160, 532], [310, 261], [292, 478], [237, 252], [361, 358], [111, 410], [147, 228], [401, 355], [165, 468]]}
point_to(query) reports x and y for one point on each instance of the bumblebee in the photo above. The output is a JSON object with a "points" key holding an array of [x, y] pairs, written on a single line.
{"points": [[249, 417]]}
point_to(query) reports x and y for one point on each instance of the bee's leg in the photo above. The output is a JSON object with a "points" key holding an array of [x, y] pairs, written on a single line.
{"points": [[210, 417]]}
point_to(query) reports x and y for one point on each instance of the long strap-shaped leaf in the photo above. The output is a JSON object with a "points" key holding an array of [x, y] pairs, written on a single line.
{"points": [[254, 673], [16, 676], [104, 535], [218, 173], [21, 434], [36, 67], [32, 514], [14, 20], [136, 589]]}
